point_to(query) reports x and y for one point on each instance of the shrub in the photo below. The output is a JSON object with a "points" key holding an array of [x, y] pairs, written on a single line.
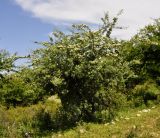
{"points": [[84, 69], [145, 93], [19, 89], [144, 52]]}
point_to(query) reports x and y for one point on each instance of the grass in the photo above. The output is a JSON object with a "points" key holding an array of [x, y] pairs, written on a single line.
{"points": [[134, 123], [18, 122]]}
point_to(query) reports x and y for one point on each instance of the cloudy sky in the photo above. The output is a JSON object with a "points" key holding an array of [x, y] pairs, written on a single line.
{"points": [[25, 21]]}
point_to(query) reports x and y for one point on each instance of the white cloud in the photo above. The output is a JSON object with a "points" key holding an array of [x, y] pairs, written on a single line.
{"points": [[137, 13]]}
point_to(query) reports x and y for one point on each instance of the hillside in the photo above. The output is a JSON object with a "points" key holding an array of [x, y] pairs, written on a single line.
{"points": [[141, 123], [84, 84]]}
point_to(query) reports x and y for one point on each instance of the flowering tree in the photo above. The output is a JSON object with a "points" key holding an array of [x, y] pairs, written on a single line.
{"points": [[84, 69]]}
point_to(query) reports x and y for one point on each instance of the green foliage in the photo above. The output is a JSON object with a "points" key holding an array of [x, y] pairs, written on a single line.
{"points": [[92, 74], [47, 120], [15, 122], [22, 121], [133, 133], [14, 89], [144, 52], [143, 93], [18, 89], [6, 61], [108, 25], [43, 120], [85, 69]]}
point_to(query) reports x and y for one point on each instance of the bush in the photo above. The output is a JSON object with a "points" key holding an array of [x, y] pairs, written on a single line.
{"points": [[19, 90], [85, 69], [145, 93], [43, 120], [26, 121], [144, 52], [15, 122]]}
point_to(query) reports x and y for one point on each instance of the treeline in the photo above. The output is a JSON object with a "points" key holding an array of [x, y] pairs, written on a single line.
{"points": [[92, 74]]}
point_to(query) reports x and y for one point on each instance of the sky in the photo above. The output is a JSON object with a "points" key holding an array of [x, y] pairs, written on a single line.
{"points": [[24, 21]]}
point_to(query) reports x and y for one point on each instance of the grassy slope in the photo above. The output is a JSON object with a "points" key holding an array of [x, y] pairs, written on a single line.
{"points": [[129, 124], [134, 123]]}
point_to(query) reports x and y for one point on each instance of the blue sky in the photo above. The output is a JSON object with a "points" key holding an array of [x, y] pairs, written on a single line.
{"points": [[24, 21], [19, 30]]}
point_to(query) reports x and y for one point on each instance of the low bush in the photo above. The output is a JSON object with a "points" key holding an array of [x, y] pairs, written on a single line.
{"points": [[146, 93], [16, 91], [20, 121]]}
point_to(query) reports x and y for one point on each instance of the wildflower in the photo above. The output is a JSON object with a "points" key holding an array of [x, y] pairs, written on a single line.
{"points": [[134, 127], [82, 131], [145, 110], [117, 119], [138, 115], [59, 135], [106, 124], [127, 118], [113, 123]]}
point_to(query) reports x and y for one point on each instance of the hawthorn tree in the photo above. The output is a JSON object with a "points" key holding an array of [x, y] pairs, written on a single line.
{"points": [[6, 64], [84, 69]]}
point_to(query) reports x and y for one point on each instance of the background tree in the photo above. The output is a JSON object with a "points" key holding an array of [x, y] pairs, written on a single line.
{"points": [[17, 86], [6, 61], [143, 54], [20, 89]]}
